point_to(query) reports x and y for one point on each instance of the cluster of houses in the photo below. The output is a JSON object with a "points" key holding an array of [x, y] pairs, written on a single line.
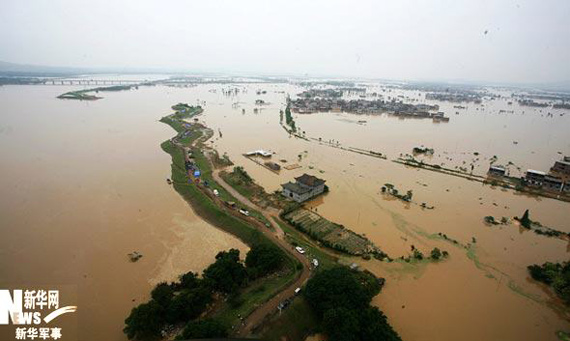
{"points": [[304, 188], [361, 106], [557, 180], [463, 96]]}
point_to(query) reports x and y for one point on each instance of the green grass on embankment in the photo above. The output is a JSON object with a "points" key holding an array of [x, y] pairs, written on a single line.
{"points": [[262, 289], [203, 205], [296, 322]]}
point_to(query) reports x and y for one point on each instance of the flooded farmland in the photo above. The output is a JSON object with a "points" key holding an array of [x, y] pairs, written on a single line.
{"points": [[483, 291], [85, 183]]}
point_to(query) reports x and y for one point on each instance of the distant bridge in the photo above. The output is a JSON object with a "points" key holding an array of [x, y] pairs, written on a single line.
{"points": [[83, 81]]}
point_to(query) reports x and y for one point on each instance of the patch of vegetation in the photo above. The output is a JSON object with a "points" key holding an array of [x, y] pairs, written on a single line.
{"points": [[289, 120], [435, 255], [220, 162], [263, 259], [390, 189], [330, 234], [241, 181], [538, 228], [258, 291], [80, 95], [170, 304], [555, 275], [296, 322], [85, 96], [203, 329], [227, 274], [187, 299], [341, 299], [490, 220], [203, 205]]}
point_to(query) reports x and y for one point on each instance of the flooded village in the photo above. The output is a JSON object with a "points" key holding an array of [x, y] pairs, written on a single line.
{"points": [[491, 259], [426, 236], [285, 171]]}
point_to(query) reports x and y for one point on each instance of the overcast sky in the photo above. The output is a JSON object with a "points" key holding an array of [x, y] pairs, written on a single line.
{"points": [[526, 41]]}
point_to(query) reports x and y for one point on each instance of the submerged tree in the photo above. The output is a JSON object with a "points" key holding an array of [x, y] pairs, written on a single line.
{"points": [[435, 254], [525, 220]]}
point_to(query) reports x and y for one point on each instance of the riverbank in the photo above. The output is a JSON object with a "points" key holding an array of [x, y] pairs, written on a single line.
{"points": [[83, 95], [212, 208]]}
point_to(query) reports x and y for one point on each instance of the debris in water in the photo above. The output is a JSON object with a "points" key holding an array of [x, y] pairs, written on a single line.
{"points": [[134, 256]]}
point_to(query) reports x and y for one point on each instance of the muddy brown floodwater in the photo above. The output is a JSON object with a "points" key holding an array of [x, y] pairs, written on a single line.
{"points": [[479, 293], [85, 184]]}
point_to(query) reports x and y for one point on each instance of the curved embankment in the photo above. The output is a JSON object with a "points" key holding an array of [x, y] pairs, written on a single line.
{"points": [[213, 209]]}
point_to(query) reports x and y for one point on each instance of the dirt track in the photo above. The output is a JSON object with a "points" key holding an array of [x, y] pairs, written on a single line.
{"points": [[276, 236]]}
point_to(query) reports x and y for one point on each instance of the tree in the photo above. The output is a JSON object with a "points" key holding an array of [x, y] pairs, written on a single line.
{"points": [[189, 304], [242, 174], [203, 329], [435, 254], [341, 324], [263, 259], [227, 274], [418, 254], [162, 294], [336, 288], [374, 326], [525, 220], [556, 275], [145, 322], [189, 280]]}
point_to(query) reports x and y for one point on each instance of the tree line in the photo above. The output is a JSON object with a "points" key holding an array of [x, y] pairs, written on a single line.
{"points": [[187, 299], [341, 297]]}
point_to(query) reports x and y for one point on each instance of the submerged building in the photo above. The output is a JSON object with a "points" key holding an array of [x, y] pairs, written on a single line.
{"points": [[497, 171], [552, 183], [545, 181], [534, 177], [304, 188], [562, 167]]}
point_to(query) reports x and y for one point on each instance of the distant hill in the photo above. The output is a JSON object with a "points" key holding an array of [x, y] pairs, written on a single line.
{"points": [[14, 69]]}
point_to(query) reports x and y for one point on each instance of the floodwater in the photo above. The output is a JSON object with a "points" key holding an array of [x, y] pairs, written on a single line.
{"points": [[98, 186], [83, 184], [479, 293]]}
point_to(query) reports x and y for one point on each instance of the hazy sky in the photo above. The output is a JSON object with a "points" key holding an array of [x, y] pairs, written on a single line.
{"points": [[526, 41]]}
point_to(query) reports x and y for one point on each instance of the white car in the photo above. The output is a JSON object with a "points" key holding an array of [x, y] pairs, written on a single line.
{"points": [[315, 262], [216, 193], [300, 249], [244, 212], [297, 291]]}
